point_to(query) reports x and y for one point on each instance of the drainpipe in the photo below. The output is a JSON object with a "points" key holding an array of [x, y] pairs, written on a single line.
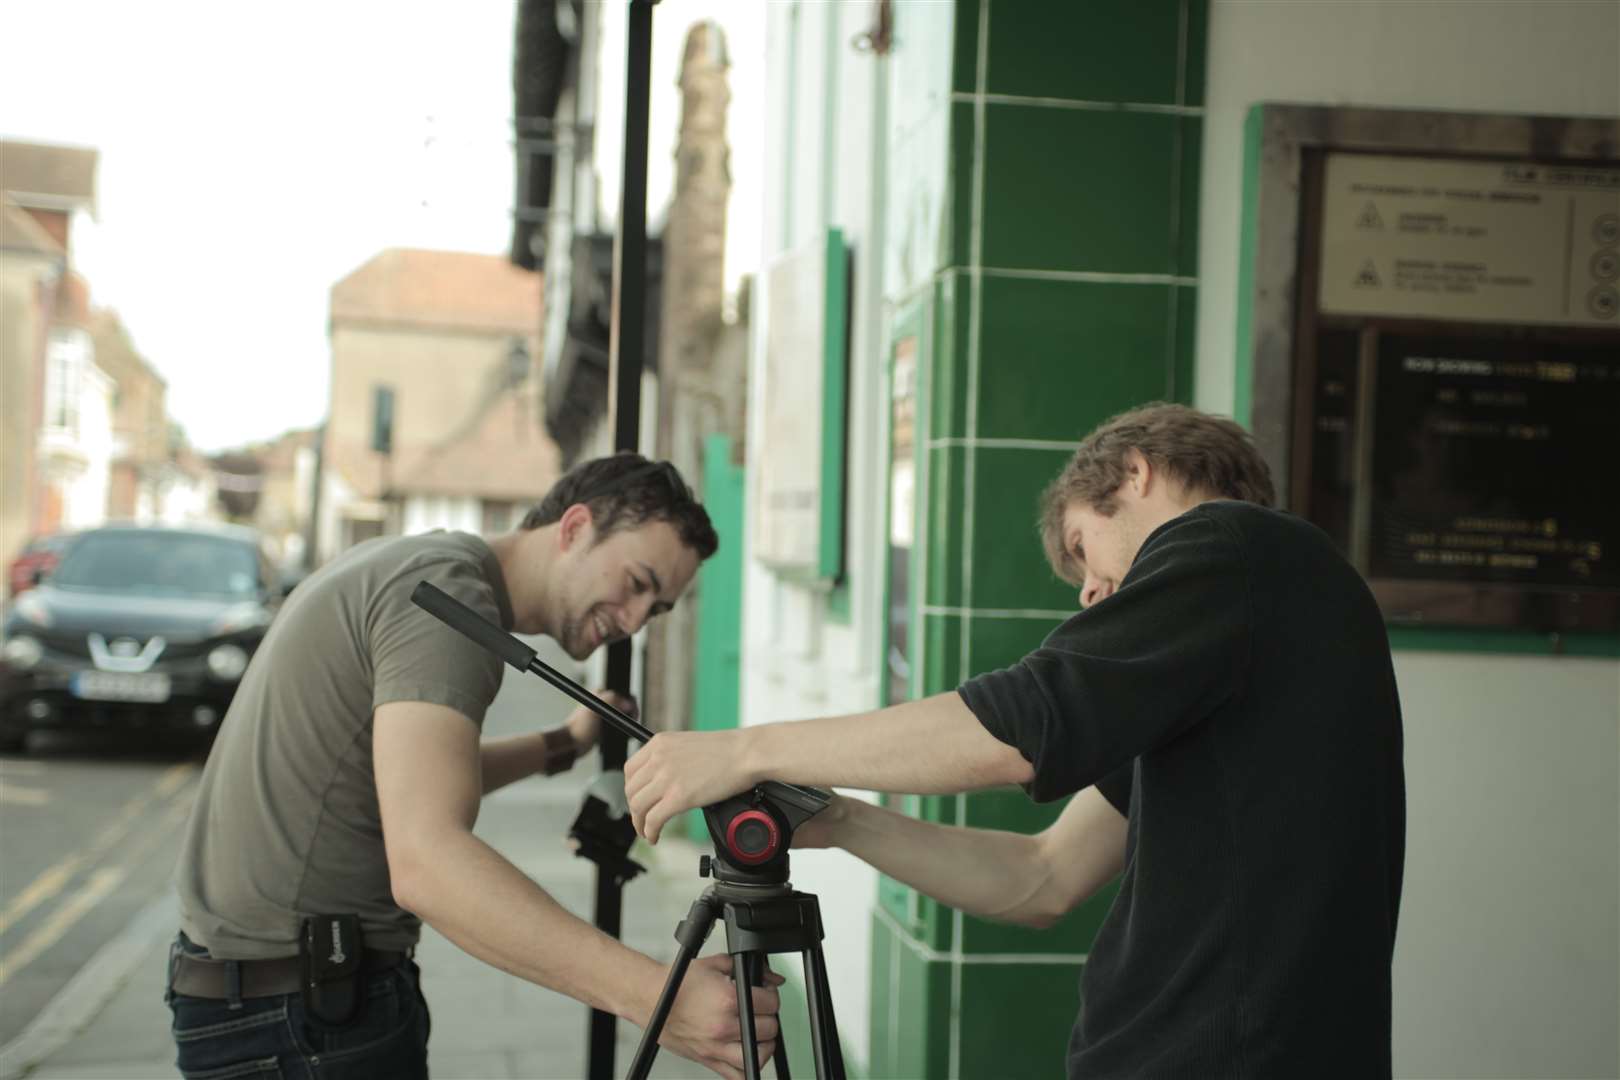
{"points": [[627, 352]]}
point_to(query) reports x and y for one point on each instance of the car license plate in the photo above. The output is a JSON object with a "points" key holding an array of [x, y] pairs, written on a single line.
{"points": [[147, 686]]}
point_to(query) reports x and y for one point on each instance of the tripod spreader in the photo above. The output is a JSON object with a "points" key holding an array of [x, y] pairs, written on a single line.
{"points": [[760, 921]]}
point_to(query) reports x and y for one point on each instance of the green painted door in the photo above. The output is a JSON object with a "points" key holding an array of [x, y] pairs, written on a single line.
{"points": [[717, 680]]}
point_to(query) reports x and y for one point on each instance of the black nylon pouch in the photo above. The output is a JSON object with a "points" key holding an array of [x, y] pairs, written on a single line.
{"points": [[332, 953]]}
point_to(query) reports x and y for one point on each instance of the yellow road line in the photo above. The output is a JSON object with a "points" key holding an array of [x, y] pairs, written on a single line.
{"points": [[101, 883], [11, 795], [55, 879], [172, 779]]}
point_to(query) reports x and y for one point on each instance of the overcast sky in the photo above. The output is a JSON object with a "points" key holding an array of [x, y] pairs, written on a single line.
{"points": [[253, 155]]}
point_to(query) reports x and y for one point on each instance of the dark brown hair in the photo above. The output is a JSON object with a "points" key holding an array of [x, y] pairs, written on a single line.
{"points": [[625, 491], [1206, 454]]}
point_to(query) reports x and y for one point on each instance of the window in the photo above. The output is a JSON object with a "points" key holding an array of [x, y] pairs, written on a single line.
{"points": [[498, 516], [64, 376]]}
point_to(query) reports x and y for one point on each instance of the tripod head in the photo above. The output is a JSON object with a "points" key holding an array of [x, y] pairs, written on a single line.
{"points": [[752, 830]]}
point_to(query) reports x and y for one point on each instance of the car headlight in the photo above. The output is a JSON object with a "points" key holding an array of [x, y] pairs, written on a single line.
{"points": [[30, 608], [244, 616], [22, 651], [227, 662]]}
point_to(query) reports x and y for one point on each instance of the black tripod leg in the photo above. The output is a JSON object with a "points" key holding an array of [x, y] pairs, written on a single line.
{"points": [[741, 971], [758, 965], [691, 933], [823, 1025]]}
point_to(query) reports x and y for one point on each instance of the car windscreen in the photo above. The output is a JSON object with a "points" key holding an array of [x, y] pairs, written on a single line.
{"points": [[159, 563]]}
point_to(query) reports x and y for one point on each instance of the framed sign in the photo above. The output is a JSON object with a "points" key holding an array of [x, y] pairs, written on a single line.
{"points": [[1432, 355], [798, 497]]}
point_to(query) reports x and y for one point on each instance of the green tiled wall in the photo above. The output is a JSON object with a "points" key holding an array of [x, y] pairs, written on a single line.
{"points": [[1042, 217]]}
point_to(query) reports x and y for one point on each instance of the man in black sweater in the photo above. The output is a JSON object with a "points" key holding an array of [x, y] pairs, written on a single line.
{"points": [[1223, 711]]}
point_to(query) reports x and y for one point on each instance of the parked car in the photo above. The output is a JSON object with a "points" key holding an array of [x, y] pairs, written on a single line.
{"points": [[35, 561], [138, 628]]}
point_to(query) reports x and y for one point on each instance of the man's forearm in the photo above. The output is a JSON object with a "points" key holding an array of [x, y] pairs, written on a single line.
{"points": [[928, 747], [487, 907], [504, 761], [925, 747], [991, 874]]}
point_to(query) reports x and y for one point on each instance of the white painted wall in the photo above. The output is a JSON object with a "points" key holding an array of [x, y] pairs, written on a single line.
{"points": [[1508, 958], [454, 513], [798, 662]]}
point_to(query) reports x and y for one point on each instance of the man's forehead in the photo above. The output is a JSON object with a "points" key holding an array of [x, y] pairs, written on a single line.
{"points": [[659, 547], [1074, 519]]}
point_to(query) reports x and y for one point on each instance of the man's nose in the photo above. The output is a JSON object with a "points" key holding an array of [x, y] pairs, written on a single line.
{"points": [[637, 612], [1093, 590]]}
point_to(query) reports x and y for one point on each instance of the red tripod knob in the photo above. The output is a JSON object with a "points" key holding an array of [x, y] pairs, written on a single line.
{"points": [[753, 837]]}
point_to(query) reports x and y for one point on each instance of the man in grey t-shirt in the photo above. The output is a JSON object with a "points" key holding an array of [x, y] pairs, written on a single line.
{"points": [[347, 775]]}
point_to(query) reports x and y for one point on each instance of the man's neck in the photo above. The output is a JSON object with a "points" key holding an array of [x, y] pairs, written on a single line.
{"points": [[525, 559]]}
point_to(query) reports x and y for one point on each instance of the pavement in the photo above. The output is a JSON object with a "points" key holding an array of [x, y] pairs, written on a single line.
{"points": [[110, 1023]]}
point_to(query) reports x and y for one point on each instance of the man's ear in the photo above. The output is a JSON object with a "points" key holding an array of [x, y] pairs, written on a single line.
{"points": [[574, 526], [1139, 472]]}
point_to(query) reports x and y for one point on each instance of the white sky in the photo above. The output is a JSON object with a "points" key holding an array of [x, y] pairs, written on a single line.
{"points": [[252, 156]]}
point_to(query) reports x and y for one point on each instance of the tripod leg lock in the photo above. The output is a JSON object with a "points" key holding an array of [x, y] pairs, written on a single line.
{"points": [[692, 931]]}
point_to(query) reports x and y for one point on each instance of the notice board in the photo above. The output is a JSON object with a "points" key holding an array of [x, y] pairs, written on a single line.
{"points": [[1436, 360]]}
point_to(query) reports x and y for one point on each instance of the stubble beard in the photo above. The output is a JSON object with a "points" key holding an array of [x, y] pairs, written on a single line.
{"points": [[579, 635]]}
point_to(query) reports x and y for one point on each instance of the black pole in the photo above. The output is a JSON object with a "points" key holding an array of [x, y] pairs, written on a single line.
{"points": [[627, 350]]}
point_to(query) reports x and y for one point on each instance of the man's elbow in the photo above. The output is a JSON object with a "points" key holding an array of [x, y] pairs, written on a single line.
{"points": [[411, 879], [1043, 914]]}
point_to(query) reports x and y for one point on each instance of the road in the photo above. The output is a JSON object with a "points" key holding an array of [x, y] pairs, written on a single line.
{"points": [[90, 829]]}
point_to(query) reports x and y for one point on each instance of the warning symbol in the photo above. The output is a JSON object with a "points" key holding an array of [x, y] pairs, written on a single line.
{"points": [[1369, 218], [1368, 278]]}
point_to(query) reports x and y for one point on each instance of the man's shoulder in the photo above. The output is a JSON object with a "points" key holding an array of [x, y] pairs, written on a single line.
{"points": [[442, 546], [1248, 524]]}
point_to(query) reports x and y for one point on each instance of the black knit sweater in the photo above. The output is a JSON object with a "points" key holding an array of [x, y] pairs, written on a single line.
{"points": [[1235, 700]]}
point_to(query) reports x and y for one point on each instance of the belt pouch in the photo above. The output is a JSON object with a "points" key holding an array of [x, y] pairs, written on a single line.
{"points": [[332, 951]]}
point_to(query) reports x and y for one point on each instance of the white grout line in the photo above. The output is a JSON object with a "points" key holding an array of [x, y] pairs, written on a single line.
{"points": [[1000, 613], [1079, 106], [957, 970], [975, 326], [1181, 56], [1004, 444], [933, 956], [1093, 276], [894, 992]]}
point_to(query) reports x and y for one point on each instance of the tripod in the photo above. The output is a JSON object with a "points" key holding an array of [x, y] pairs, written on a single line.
{"points": [[761, 917]]}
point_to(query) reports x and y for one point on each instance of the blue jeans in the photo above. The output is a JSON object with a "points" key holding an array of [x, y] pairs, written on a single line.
{"points": [[276, 1037]]}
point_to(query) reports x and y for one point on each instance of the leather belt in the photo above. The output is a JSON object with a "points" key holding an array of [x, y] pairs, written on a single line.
{"points": [[205, 977]]}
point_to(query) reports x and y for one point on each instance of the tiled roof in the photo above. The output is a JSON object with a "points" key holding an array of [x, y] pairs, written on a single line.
{"points": [[454, 289], [20, 232], [57, 177]]}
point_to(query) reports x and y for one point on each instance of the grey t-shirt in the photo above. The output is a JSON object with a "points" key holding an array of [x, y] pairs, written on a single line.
{"points": [[286, 822]]}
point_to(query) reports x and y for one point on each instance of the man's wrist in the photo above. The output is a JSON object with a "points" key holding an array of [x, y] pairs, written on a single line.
{"points": [[753, 753], [559, 751]]}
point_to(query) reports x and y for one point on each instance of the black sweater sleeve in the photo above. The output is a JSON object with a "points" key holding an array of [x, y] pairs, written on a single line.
{"points": [[1133, 671]]}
